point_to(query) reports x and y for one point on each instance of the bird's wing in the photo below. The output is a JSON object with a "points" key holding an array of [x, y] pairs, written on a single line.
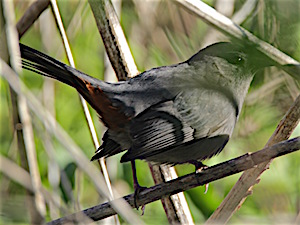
{"points": [[194, 120], [108, 148], [159, 127]]}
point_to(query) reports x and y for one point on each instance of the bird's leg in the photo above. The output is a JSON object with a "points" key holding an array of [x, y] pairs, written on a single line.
{"points": [[199, 166], [136, 186]]}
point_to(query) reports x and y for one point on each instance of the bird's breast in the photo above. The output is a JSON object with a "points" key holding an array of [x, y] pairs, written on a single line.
{"points": [[208, 111]]}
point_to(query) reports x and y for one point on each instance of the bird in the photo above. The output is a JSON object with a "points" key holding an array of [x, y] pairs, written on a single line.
{"points": [[182, 113]]}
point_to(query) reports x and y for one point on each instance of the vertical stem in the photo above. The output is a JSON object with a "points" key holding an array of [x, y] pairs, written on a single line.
{"points": [[87, 114], [36, 204]]}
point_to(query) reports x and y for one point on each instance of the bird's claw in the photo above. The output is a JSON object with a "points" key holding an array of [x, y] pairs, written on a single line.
{"points": [[206, 188], [137, 190], [199, 166]]}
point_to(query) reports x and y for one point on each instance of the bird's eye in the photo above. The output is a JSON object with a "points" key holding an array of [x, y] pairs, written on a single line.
{"points": [[236, 59]]}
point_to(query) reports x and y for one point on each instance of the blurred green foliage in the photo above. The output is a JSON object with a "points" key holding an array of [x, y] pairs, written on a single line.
{"points": [[159, 33]]}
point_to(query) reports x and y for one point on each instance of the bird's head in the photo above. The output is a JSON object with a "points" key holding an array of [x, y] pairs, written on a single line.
{"points": [[232, 59], [228, 68]]}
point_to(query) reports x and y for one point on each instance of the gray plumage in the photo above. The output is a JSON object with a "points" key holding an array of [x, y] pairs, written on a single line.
{"points": [[173, 114]]}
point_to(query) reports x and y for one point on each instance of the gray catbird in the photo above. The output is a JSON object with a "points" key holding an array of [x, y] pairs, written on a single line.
{"points": [[183, 113]]}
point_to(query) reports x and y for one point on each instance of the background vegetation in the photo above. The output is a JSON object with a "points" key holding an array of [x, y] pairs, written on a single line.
{"points": [[159, 33]]}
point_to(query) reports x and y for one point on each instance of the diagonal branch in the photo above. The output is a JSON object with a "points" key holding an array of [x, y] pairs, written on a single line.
{"points": [[240, 191], [31, 15], [230, 167], [228, 27]]}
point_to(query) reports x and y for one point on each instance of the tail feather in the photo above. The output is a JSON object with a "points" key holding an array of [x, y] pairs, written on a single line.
{"points": [[90, 88], [43, 64]]}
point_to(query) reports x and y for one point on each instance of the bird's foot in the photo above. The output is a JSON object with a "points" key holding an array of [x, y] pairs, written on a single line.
{"points": [[199, 166], [137, 190]]}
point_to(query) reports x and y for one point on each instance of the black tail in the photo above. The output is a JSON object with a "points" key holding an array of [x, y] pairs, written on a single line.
{"points": [[42, 64]]}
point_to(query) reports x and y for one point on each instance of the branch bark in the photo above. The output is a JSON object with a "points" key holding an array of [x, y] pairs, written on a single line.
{"points": [[114, 39], [31, 15], [230, 167]]}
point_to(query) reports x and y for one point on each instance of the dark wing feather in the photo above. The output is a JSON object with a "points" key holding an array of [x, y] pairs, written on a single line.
{"points": [[108, 148], [157, 128]]}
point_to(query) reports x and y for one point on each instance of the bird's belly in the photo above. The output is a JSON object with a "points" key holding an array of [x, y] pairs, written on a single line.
{"points": [[208, 111]]}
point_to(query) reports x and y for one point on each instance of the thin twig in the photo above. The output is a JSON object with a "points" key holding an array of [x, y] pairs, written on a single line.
{"points": [[241, 15], [265, 90], [21, 116], [31, 155], [22, 177], [114, 39], [87, 113], [31, 15], [230, 167]]}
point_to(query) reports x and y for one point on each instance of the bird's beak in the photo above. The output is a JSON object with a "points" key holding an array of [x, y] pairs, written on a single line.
{"points": [[293, 70], [259, 61]]}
